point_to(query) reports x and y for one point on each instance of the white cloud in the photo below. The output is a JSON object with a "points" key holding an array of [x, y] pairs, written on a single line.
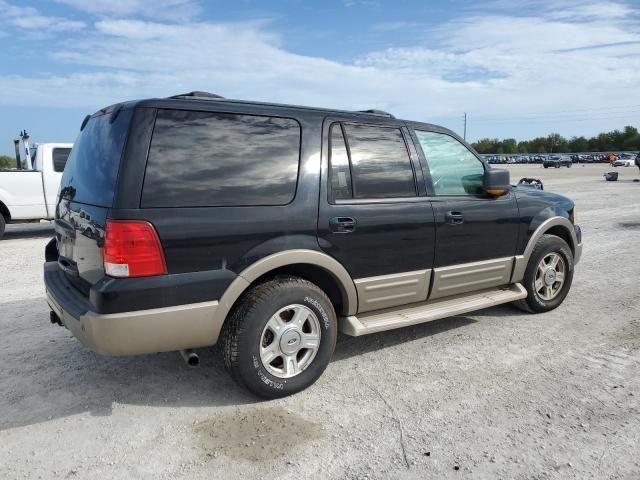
{"points": [[169, 9], [495, 63], [28, 17]]}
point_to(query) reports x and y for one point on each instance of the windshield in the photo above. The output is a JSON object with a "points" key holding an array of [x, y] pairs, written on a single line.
{"points": [[92, 168]]}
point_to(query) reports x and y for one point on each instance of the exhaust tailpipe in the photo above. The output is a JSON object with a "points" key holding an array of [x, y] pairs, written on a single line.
{"points": [[55, 319], [191, 358]]}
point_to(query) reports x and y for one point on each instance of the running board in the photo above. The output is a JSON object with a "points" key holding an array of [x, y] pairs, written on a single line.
{"points": [[390, 318]]}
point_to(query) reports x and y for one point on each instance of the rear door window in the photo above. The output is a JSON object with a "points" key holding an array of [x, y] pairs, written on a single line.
{"points": [[199, 159], [91, 170], [60, 157], [380, 166]]}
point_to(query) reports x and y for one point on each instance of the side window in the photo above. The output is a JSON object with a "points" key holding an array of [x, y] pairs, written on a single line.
{"points": [[340, 169], [200, 159], [454, 169], [60, 156], [380, 162]]}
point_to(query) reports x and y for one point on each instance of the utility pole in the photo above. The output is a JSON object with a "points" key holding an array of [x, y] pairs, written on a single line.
{"points": [[464, 137]]}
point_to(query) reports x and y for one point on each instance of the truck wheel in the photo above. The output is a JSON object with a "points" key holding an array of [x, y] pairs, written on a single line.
{"points": [[3, 224], [548, 276], [280, 337]]}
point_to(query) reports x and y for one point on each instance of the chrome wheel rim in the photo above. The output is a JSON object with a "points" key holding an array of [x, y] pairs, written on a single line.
{"points": [[290, 341], [550, 276]]}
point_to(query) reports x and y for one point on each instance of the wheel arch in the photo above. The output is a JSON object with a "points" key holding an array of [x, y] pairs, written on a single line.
{"points": [[4, 211], [315, 266], [558, 226]]}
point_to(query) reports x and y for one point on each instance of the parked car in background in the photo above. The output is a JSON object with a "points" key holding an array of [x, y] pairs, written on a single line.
{"points": [[623, 162], [29, 193], [268, 228], [557, 161]]}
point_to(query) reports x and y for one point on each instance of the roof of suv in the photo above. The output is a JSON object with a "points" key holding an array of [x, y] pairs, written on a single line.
{"points": [[206, 100]]}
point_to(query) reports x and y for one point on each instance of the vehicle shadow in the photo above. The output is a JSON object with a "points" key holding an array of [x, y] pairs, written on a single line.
{"points": [[348, 347], [48, 374], [505, 310], [28, 230]]}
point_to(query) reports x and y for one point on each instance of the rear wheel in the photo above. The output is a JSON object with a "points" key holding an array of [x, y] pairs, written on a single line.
{"points": [[280, 337], [548, 276], [3, 224]]}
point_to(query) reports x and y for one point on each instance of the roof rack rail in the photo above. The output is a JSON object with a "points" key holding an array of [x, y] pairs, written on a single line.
{"points": [[197, 95], [373, 111]]}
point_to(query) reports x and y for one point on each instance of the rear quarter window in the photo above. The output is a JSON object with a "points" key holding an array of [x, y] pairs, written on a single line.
{"points": [[199, 159], [60, 157]]}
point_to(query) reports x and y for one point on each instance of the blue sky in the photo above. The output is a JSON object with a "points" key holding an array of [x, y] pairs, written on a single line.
{"points": [[518, 67]]}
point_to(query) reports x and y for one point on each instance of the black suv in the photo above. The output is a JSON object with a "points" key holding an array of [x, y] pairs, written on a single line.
{"points": [[557, 162], [268, 228]]}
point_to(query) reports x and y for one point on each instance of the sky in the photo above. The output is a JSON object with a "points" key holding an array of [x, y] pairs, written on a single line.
{"points": [[518, 68]]}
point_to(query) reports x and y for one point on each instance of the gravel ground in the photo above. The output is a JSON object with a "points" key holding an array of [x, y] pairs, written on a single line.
{"points": [[493, 394]]}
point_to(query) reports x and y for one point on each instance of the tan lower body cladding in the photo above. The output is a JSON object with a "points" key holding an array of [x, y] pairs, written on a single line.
{"points": [[385, 291]]}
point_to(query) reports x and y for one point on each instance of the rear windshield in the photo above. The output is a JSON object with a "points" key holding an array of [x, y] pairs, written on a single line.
{"points": [[92, 167]]}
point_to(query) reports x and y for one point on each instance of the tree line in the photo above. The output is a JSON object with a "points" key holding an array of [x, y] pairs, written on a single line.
{"points": [[7, 162], [616, 140]]}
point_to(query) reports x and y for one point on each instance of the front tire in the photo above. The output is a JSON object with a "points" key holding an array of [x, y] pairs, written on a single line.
{"points": [[280, 337], [548, 276], [3, 225]]}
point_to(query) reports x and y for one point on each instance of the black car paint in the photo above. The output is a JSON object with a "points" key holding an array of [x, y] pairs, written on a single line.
{"points": [[207, 247]]}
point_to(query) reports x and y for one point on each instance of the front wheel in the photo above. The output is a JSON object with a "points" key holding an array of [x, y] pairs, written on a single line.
{"points": [[548, 276], [3, 224], [280, 337]]}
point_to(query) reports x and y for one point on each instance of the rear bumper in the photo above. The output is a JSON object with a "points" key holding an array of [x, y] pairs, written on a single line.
{"points": [[130, 333]]}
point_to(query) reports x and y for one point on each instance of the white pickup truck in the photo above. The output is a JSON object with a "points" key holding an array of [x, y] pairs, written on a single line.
{"points": [[29, 194]]}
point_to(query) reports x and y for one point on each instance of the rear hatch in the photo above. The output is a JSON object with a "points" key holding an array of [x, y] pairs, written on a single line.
{"points": [[86, 195]]}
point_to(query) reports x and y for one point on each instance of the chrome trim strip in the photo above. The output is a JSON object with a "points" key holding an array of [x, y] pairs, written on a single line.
{"points": [[522, 260], [427, 311], [385, 291], [468, 277]]}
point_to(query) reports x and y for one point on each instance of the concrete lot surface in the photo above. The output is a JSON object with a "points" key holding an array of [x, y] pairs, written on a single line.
{"points": [[493, 394]]}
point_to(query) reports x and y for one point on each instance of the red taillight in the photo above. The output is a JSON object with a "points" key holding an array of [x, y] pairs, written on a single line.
{"points": [[132, 249]]}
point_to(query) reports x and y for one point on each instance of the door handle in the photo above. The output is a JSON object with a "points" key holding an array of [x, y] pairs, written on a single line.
{"points": [[342, 224], [454, 218]]}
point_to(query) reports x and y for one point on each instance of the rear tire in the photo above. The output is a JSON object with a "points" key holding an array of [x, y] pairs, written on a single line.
{"points": [[267, 332], [548, 276], [3, 225]]}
